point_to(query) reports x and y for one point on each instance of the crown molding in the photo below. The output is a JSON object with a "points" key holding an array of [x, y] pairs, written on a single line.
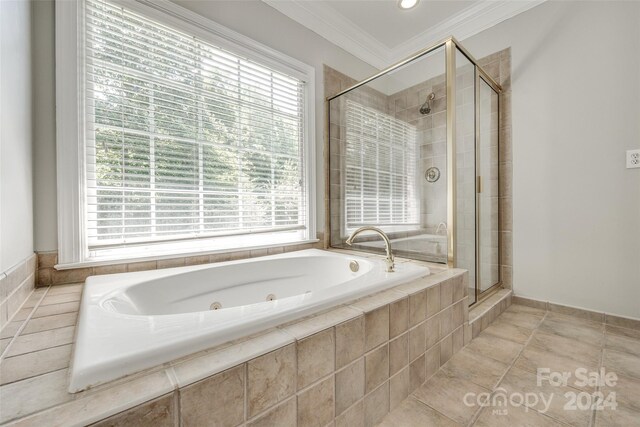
{"points": [[468, 22], [323, 20]]}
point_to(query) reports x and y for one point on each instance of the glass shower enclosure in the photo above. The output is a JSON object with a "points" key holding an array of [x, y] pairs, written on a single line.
{"points": [[413, 150]]}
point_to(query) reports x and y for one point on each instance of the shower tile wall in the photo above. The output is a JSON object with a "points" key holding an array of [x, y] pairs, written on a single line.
{"points": [[431, 141]]}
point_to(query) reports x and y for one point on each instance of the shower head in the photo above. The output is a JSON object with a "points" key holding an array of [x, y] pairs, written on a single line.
{"points": [[426, 107]]}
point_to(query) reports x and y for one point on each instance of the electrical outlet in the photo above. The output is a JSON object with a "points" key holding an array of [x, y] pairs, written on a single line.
{"points": [[633, 159]]}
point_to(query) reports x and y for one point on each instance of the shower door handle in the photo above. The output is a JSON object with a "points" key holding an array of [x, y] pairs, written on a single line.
{"points": [[479, 184]]}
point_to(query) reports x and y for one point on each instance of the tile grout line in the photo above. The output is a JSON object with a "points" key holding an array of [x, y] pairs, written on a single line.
{"points": [[24, 322]]}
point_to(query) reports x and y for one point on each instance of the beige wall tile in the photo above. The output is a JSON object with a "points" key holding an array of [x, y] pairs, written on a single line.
{"points": [[142, 266], [417, 373], [47, 259], [44, 276], [316, 357], [110, 269], [446, 321], [285, 414], [417, 340], [398, 353], [458, 313], [156, 413], [349, 341], [196, 260], [376, 327], [446, 349], [353, 417], [75, 275], [458, 288], [170, 263], [432, 361], [376, 368], [270, 379], [350, 384], [476, 328], [376, 405], [458, 339], [316, 404], [398, 388], [433, 300], [446, 293], [432, 331], [218, 399], [417, 307], [398, 317]]}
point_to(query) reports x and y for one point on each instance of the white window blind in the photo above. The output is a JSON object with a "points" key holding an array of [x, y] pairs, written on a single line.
{"points": [[185, 139], [380, 169]]}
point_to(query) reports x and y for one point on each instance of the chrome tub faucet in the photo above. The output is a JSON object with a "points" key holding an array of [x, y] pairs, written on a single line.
{"points": [[390, 259]]}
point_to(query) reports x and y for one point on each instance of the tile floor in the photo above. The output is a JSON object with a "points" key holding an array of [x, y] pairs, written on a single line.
{"points": [[503, 361]]}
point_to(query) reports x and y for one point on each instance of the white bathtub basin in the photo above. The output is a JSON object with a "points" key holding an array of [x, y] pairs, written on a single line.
{"points": [[132, 321]]}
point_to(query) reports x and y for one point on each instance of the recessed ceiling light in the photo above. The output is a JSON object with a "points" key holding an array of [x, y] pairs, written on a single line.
{"points": [[407, 4]]}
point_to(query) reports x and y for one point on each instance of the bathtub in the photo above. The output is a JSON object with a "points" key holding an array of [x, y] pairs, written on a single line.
{"points": [[133, 321]]}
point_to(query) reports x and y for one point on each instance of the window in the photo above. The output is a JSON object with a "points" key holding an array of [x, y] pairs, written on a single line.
{"points": [[380, 170], [187, 142]]}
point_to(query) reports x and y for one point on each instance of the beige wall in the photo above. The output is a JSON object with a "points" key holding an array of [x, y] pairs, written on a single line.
{"points": [[16, 183], [575, 106], [251, 18]]}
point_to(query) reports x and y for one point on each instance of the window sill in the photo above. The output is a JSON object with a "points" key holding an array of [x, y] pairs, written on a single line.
{"points": [[113, 260]]}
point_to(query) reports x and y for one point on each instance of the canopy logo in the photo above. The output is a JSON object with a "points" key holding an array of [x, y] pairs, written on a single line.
{"points": [[567, 387]]}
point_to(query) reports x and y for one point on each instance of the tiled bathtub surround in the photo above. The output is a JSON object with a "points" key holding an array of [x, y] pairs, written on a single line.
{"points": [[350, 365], [48, 275], [15, 286]]}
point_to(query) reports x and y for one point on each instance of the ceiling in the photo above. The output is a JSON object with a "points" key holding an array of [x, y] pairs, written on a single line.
{"points": [[390, 25], [380, 33]]}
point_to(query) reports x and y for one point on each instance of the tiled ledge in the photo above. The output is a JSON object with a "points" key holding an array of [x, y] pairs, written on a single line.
{"points": [[484, 313], [388, 343], [47, 275], [15, 286]]}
